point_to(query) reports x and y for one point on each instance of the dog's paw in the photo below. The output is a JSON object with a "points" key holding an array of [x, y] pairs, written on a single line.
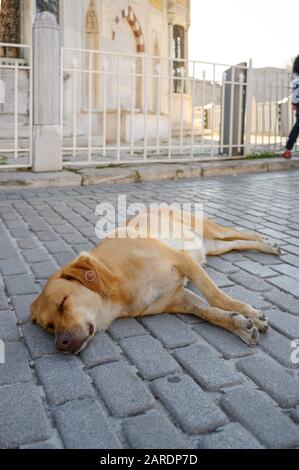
{"points": [[245, 329], [273, 248], [261, 322]]}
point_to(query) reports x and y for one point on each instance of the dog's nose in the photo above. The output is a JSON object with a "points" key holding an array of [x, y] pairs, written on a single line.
{"points": [[64, 342]]}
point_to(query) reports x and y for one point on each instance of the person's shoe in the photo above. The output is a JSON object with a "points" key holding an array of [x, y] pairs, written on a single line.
{"points": [[287, 154]]}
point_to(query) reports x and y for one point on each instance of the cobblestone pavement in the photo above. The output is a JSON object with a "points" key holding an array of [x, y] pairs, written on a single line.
{"points": [[164, 381]]}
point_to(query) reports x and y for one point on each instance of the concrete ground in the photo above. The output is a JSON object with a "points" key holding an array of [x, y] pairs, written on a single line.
{"points": [[164, 381]]}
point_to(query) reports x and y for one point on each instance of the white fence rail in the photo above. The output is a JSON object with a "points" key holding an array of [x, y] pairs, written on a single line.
{"points": [[118, 107], [16, 106], [129, 107]]}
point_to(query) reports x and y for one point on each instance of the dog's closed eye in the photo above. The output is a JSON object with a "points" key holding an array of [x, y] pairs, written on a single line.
{"points": [[60, 309]]}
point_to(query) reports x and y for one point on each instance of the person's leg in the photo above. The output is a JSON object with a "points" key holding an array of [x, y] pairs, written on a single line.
{"points": [[293, 135]]}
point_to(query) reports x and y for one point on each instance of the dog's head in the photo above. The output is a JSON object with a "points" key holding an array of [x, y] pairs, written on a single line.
{"points": [[73, 303]]}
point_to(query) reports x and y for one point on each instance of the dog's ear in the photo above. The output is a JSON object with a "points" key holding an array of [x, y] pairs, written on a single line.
{"points": [[92, 274]]}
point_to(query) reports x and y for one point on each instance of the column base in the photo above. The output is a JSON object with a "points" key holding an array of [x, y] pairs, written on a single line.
{"points": [[47, 148]]}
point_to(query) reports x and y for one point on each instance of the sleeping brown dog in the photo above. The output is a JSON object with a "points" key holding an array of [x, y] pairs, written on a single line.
{"points": [[128, 276]]}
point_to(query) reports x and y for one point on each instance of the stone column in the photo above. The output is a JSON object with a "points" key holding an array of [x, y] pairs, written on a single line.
{"points": [[47, 138]]}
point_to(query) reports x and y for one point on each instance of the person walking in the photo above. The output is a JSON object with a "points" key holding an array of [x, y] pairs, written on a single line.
{"points": [[295, 103]]}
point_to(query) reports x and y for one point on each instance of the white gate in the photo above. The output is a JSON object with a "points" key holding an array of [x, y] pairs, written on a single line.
{"points": [[15, 106]]}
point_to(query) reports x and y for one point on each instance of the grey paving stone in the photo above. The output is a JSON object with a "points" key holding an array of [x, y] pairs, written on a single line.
{"points": [[256, 268], [228, 344], [13, 266], [287, 284], [207, 369], [188, 404], [231, 436], [285, 302], [247, 296], [53, 443], [64, 258], [286, 324], [36, 256], [47, 236], [126, 327], [56, 247], [279, 347], [38, 341], [3, 300], [280, 384], [261, 417], [27, 243], [16, 367], [8, 328], [83, 425], [221, 265], [288, 270], [19, 285], [123, 392], [295, 414], [153, 431], [170, 330], [250, 282], [23, 418], [291, 259], [149, 356], [21, 305], [101, 349], [44, 270], [53, 371], [220, 279]]}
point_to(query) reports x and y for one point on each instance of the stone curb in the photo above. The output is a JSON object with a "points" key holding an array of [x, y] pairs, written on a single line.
{"points": [[11, 180]]}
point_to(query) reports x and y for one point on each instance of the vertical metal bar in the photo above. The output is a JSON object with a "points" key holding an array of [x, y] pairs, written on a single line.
{"points": [[269, 114], [203, 102], [170, 91], [263, 110], [213, 111], [158, 110], [249, 105], [16, 125], [30, 107], [193, 110], [222, 111], [146, 97], [256, 115], [133, 98], [282, 91], [182, 78], [240, 85], [61, 90], [231, 117], [118, 125], [90, 106], [75, 109], [104, 131], [276, 111]]}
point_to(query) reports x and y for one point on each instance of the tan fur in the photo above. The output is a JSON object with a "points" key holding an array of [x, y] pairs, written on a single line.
{"points": [[134, 277]]}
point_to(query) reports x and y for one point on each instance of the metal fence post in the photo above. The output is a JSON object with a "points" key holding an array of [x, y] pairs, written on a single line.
{"points": [[47, 135], [249, 100]]}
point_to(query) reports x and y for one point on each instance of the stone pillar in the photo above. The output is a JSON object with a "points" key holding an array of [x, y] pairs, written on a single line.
{"points": [[47, 138]]}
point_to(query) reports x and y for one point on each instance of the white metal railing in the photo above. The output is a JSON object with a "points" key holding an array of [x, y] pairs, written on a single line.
{"points": [[118, 107], [136, 115], [16, 107]]}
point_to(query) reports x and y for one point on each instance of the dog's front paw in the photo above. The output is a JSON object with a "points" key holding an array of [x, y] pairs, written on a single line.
{"points": [[245, 329]]}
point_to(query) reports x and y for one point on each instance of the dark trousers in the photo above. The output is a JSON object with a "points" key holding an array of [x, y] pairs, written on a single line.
{"points": [[294, 134]]}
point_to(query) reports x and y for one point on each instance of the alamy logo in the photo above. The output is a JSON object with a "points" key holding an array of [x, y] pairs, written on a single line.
{"points": [[295, 352], [2, 352], [155, 220]]}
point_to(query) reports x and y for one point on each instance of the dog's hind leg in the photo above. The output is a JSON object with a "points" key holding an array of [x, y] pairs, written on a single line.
{"points": [[187, 302], [219, 247], [215, 297], [214, 231]]}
